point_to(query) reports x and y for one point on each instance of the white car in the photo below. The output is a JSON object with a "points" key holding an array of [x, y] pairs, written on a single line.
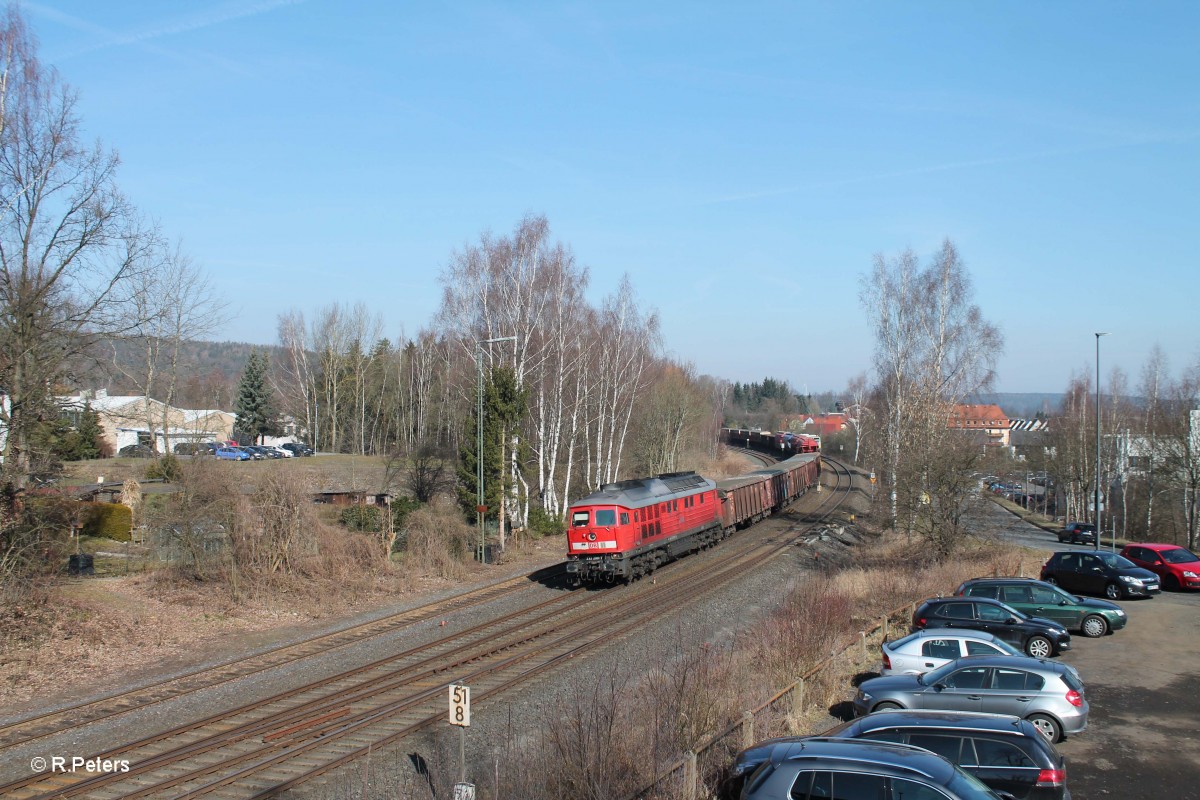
{"points": [[924, 650]]}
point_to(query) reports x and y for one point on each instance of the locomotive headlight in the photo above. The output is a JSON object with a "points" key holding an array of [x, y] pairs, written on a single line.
{"points": [[592, 536]]}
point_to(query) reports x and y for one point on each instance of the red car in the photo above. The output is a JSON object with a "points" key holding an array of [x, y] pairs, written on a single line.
{"points": [[1178, 567]]}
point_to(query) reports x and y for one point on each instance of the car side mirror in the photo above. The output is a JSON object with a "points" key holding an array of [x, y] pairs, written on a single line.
{"points": [[1156, 563], [1011, 621], [939, 686]]}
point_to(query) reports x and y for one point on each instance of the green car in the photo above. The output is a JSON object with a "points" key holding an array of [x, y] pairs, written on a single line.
{"points": [[1036, 598]]}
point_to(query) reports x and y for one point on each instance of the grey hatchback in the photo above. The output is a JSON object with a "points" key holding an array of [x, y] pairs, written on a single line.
{"points": [[1048, 694], [821, 768]]}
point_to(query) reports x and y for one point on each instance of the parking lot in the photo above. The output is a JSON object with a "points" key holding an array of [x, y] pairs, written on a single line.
{"points": [[1143, 685]]}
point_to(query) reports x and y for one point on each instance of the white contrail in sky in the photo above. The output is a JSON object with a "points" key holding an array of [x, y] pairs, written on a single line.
{"points": [[204, 19]]}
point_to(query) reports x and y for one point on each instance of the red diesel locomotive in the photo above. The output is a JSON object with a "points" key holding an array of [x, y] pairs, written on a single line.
{"points": [[629, 529]]}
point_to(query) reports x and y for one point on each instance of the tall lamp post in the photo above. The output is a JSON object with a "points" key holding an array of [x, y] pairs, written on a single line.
{"points": [[480, 508], [1096, 493]]}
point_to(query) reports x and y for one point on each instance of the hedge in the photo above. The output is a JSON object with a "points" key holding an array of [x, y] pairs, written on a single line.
{"points": [[107, 520]]}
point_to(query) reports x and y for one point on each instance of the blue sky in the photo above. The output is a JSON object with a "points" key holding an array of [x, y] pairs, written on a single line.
{"points": [[743, 162]]}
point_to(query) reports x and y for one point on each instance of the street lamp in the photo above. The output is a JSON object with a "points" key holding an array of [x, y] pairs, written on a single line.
{"points": [[1096, 492], [480, 508]]}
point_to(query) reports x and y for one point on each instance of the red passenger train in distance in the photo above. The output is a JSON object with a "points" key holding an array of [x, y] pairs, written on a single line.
{"points": [[629, 529]]}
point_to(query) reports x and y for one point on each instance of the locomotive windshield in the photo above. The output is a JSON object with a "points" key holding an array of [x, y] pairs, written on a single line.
{"points": [[579, 519], [605, 516]]}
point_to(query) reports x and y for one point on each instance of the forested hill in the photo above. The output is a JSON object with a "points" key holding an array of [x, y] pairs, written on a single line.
{"points": [[208, 371]]}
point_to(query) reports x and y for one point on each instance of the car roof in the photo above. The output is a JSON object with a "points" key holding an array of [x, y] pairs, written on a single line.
{"points": [[947, 633], [955, 599], [890, 757], [964, 720], [1157, 547], [973, 581], [1016, 662]]}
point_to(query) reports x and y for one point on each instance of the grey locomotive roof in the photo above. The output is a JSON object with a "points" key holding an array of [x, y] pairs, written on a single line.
{"points": [[645, 491]]}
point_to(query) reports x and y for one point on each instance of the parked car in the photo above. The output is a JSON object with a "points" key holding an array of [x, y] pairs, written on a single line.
{"points": [[194, 448], [298, 448], [232, 454], [248, 450], [1078, 533], [1034, 635], [277, 452], [820, 767], [1048, 694], [1177, 567], [1099, 572], [1091, 617], [137, 451], [260, 451], [930, 648], [1006, 753]]}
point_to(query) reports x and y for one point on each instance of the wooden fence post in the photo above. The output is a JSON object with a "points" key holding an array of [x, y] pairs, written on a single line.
{"points": [[862, 642], [798, 698], [883, 626], [747, 729], [690, 776]]}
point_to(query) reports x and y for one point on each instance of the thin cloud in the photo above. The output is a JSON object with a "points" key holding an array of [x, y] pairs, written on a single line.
{"points": [[199, 21], [933, 168]]}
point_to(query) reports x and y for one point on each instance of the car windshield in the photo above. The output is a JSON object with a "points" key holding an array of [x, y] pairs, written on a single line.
{"points": [[1179, 556], [1114, 560]]}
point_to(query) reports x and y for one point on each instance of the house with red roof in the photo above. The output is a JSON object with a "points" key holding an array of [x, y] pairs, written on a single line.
{"points": [[988, 421]]}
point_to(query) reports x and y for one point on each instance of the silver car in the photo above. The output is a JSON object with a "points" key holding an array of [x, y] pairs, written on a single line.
{"points": [[1048, 694], [930, 648]]}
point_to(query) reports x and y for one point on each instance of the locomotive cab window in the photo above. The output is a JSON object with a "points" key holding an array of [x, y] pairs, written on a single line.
{"points": [[579, 519], [624, 518], [605, 516]]}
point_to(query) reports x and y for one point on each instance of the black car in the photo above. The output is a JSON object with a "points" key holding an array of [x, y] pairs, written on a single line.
{"points": [[137, 451], [1089, 616], [1078, 533], [1007, 753], [298, 448], [1100, 572], [1038, 637], [820, 767]]}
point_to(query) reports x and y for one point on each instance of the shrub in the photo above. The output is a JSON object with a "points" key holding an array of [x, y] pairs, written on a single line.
{"points": [[401, 508], [166, 468], [543, 523], [361, 518], [107, 520]]}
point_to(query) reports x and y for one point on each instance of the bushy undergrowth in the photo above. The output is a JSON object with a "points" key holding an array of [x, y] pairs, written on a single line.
{"points": [[437, 544]]}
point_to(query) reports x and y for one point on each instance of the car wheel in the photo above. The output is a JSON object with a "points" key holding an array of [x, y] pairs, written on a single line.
{"points": [[1050, 579], [1094, 626], [1047, 726], [1112, 591], [1039, 647], [885, 705], [1171, 583]]}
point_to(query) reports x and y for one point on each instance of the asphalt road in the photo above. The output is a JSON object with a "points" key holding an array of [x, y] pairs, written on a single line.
{"points": [[1143, 686]]}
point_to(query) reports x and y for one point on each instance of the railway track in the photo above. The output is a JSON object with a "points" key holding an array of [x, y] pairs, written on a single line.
{"points": [[30, 729], [278, 742]]}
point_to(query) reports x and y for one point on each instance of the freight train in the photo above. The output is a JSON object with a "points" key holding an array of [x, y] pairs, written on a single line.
{"points": [[780, 444], [628, 529]]}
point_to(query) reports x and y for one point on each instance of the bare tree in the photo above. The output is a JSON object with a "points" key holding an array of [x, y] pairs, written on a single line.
{"points": [[176, 303], [71, 249], [933, 348]]}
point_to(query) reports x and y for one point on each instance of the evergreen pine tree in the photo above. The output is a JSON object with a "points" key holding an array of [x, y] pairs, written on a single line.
{"points": [[254, 404], [504, 406]]}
